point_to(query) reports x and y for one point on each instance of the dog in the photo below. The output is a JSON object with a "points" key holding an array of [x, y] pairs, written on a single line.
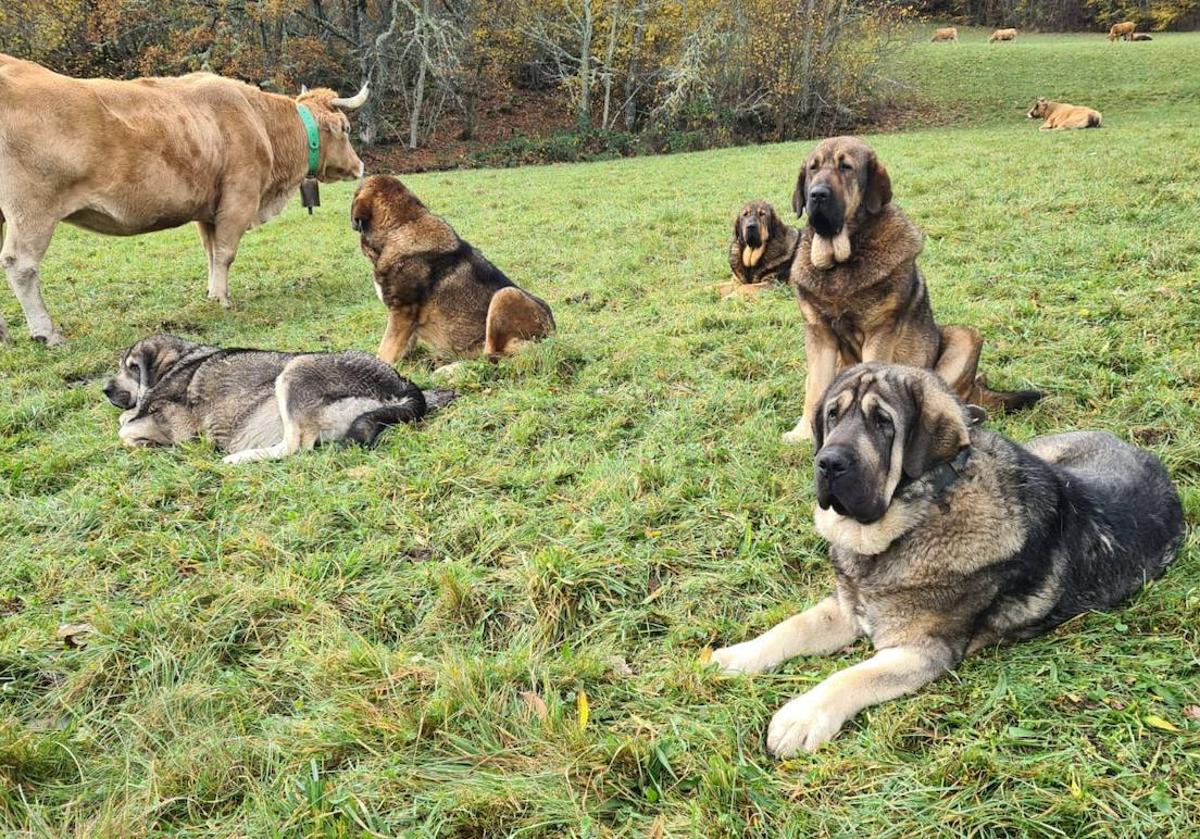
{"points": [[257, 404], [946, 33], [437, 288], [1140, 36], [761, 251], [861, 293], [1003, 35], [1059, 116], [1122, 30], [946, 538]]}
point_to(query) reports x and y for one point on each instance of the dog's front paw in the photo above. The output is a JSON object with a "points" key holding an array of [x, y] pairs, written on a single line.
{"points": [[745, 657], [804, 724], [801, 433]]}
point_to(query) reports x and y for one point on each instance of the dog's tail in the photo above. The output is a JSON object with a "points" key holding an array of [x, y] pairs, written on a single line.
{"points": [[1094, 120], [1001, 400]]}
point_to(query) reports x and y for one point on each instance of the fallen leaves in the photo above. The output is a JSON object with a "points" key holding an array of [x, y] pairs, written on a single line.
{"points": [[75, 634]]}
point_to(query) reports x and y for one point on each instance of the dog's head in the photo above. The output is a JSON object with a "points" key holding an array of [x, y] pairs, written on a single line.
{"points": [[879, 424], [381, 206], [756, 224], [1040, 109], [141, 366], [840, 178]]}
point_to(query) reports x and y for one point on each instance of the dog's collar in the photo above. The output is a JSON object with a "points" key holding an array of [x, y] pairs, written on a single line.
{"points": [[312, 136], [944, 475]]}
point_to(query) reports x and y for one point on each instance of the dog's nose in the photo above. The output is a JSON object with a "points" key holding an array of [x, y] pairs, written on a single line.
{"points": [[109, 388], [819, 193], [834, 462]]}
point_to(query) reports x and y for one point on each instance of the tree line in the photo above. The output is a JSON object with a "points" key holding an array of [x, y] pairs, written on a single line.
{"points": [[755, 69]]}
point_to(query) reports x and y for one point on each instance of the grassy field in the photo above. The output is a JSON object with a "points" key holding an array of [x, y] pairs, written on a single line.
{"points": [[398, 642]]}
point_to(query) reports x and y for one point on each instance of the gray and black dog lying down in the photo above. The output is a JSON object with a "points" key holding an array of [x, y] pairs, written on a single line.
{"points": [[946, 538], [257, 404]]}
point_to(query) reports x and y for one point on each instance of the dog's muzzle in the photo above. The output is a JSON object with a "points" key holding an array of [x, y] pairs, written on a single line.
{"points": [[840, 486], [122, 399], [753, 235], [825, 211]]}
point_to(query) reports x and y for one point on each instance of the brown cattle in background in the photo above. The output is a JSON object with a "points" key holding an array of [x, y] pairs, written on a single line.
{"points": [[129, 157], [946, 33], [1122, 30], [1003, 35]]}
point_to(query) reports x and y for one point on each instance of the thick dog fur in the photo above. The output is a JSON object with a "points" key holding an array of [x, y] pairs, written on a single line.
{"points": [[761, 251], [1059, 115], [257, 404], [945, 538], [1003, 35], [946, 33], [1140, 36], [437, 288], [860, 290], [1122, 30]]}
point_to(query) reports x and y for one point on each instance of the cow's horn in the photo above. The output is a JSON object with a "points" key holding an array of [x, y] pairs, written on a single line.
{"points": [[303, 89], [354, 102]]}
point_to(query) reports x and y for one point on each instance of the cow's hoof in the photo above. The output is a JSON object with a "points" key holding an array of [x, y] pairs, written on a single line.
{"points": [[54, 339]]}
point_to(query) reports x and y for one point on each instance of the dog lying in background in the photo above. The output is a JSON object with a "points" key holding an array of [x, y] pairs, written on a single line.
{"points": [[256, 404], [761, 252], [946, 538], [1059, 115], [437, 288], [1140, 36]]}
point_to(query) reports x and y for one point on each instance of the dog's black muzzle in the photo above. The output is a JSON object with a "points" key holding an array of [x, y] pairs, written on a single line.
{"points": [[122, 399], [840, 486], [752, 235], [826, 212]]}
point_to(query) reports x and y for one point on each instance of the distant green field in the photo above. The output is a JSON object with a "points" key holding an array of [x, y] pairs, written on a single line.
{"points": [[340, 644], [980, 83]]}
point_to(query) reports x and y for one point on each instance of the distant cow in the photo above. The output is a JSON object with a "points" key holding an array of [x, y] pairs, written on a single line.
{"points": [[1060, 115], [1003, 35], [127, 157], [1122, 30], [946, 33]]}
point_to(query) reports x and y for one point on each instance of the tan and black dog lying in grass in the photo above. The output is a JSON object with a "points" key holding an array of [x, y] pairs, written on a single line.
{"points": [[437, 288], [860, 290], [1059, 115], [946, 538], [761, 252]]}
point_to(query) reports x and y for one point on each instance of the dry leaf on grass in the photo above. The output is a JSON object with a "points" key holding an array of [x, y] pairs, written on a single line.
{"points": [[1192, 712], [581, 704], [75, 634], [536, 704]]}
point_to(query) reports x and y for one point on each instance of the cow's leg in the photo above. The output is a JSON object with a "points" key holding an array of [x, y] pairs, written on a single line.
{"points": [[232, 223], [208, 238], [21, 256]]}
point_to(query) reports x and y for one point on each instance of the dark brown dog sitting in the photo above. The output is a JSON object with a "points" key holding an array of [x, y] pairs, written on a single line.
{"points": [[761, 252], [437, 288], [859, 287]]}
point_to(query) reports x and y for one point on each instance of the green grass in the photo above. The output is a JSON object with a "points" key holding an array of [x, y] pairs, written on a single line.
{"points": [[337, 644]]}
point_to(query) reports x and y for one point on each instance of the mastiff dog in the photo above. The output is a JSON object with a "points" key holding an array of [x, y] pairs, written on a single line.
{"points": [[861, 293], [1059, 115], [945, 538], [437, 288], [257, 404], [761, 251]]}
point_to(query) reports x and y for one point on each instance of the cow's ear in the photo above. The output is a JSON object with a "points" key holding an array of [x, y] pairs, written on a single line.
{"points": [[938, 431], [879, 186], [799, 196]]}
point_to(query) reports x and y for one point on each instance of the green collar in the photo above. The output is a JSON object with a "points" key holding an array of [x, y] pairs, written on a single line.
{"points": [[314, 138]]}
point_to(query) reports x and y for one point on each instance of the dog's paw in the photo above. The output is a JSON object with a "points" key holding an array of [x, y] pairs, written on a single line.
{"points": [[745, 657], [800, 434], [804, 724]]}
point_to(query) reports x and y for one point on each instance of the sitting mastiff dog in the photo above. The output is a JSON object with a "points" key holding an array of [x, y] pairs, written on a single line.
{"points": [[761, 251], [946, 538], [437, 288], [257, 404], [861, 293], [1059, 115]]}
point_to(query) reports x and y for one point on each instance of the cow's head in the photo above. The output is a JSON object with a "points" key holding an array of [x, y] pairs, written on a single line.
{"points": [[338, 161]]}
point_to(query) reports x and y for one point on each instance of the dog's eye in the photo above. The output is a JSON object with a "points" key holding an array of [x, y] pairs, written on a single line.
{"points": [[884, 421], [845, 167], [134, 367], [831, 414], [813, 166]]}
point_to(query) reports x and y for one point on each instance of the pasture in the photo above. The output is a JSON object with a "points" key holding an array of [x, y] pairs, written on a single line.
{"points": [[493, 625]]}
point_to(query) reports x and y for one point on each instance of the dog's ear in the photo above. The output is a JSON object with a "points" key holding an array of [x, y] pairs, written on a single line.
{"points": [[360, 213], [774, 223], [799, 197], [737, 227], [879, 186], [938, 431]]}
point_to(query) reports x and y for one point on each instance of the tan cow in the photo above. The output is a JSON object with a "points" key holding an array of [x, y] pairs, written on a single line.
{"points": [[1003, 35], [1122, 30], [128, 157], [946, 33]]}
